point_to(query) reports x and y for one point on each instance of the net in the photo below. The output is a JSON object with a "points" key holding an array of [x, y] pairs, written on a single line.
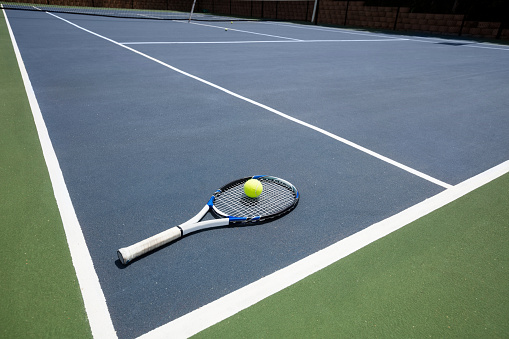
{"points": [[199, 10], [120, 9]]}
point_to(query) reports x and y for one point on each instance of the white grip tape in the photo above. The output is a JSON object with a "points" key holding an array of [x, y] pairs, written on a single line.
{"points": [[126, 254]]}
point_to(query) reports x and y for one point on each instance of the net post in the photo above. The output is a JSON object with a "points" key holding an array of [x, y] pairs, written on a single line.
{"points": [[313, 17], [192, 10], [396, 19]]}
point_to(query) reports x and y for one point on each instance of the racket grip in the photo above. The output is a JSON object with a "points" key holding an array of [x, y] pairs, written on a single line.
{"points": [[127, 254]]}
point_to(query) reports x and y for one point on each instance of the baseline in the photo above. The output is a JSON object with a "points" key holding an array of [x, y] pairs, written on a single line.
{"points": [[432, 40]]}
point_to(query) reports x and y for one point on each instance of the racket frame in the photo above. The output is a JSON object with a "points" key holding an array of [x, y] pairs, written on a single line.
{"points": [[127, 254]]}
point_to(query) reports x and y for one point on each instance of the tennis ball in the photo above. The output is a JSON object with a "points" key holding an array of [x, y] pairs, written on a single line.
{"points": [[253, 188], [226, 29]]}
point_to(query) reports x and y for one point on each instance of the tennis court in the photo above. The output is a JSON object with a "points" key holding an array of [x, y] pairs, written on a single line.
{"points": [[148, 118]]}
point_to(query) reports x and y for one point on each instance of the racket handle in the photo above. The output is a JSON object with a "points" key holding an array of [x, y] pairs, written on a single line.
{"points": [[127, 254]]}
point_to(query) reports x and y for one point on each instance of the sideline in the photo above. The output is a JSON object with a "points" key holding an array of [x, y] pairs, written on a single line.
{"points": [[93, 296]]}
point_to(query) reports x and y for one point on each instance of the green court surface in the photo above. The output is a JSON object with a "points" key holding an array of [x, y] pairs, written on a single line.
{"points": [[39, 293], [445, 275]]}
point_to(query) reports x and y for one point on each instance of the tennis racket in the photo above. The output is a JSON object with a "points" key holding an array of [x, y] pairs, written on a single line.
{"points": [[232, 207]]}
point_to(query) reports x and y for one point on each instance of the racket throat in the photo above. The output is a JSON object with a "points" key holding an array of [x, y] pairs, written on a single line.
{"points": [[190, 228]]}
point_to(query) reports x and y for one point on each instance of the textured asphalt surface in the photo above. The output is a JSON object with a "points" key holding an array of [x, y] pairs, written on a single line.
{"points": [[142, 147]]}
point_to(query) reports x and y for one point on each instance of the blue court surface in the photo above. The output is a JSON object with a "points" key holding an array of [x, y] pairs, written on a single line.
{"points": [[149, 118]]}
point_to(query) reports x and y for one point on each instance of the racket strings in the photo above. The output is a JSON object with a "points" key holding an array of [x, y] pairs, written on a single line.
{"points": [[275, 198]]}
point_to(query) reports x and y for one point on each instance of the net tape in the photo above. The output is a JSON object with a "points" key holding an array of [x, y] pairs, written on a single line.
{"points": [[155, 14]]}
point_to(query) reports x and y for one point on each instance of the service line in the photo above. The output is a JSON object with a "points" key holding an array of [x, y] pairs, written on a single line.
{"points": [[252, 41], [270, 109]]}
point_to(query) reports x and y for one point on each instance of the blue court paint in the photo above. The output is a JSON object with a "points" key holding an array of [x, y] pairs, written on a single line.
{"points": [[140, 150]]}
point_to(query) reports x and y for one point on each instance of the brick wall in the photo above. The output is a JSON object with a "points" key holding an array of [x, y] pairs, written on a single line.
{"points": [[356, 14], [388, 18]]}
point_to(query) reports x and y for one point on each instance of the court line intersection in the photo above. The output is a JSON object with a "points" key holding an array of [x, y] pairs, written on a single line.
{"points": [[270, 109]]}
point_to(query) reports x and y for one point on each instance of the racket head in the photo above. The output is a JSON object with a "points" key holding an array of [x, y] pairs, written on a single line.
{"points": [[278, 198]]}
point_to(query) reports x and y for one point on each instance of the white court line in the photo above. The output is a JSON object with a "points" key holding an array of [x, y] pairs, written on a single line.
{"points": [[203, 42], [486, 47], [465, 43], [230, 304], [251, 42], [225, 307], [468, 43], [242, 31], [93, 296], [270, 109], [327, 29], [147, 16], [357, 40]]}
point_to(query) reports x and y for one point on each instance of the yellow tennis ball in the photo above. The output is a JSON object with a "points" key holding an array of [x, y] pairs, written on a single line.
{"points": [[253, 188], [226, 29]]}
